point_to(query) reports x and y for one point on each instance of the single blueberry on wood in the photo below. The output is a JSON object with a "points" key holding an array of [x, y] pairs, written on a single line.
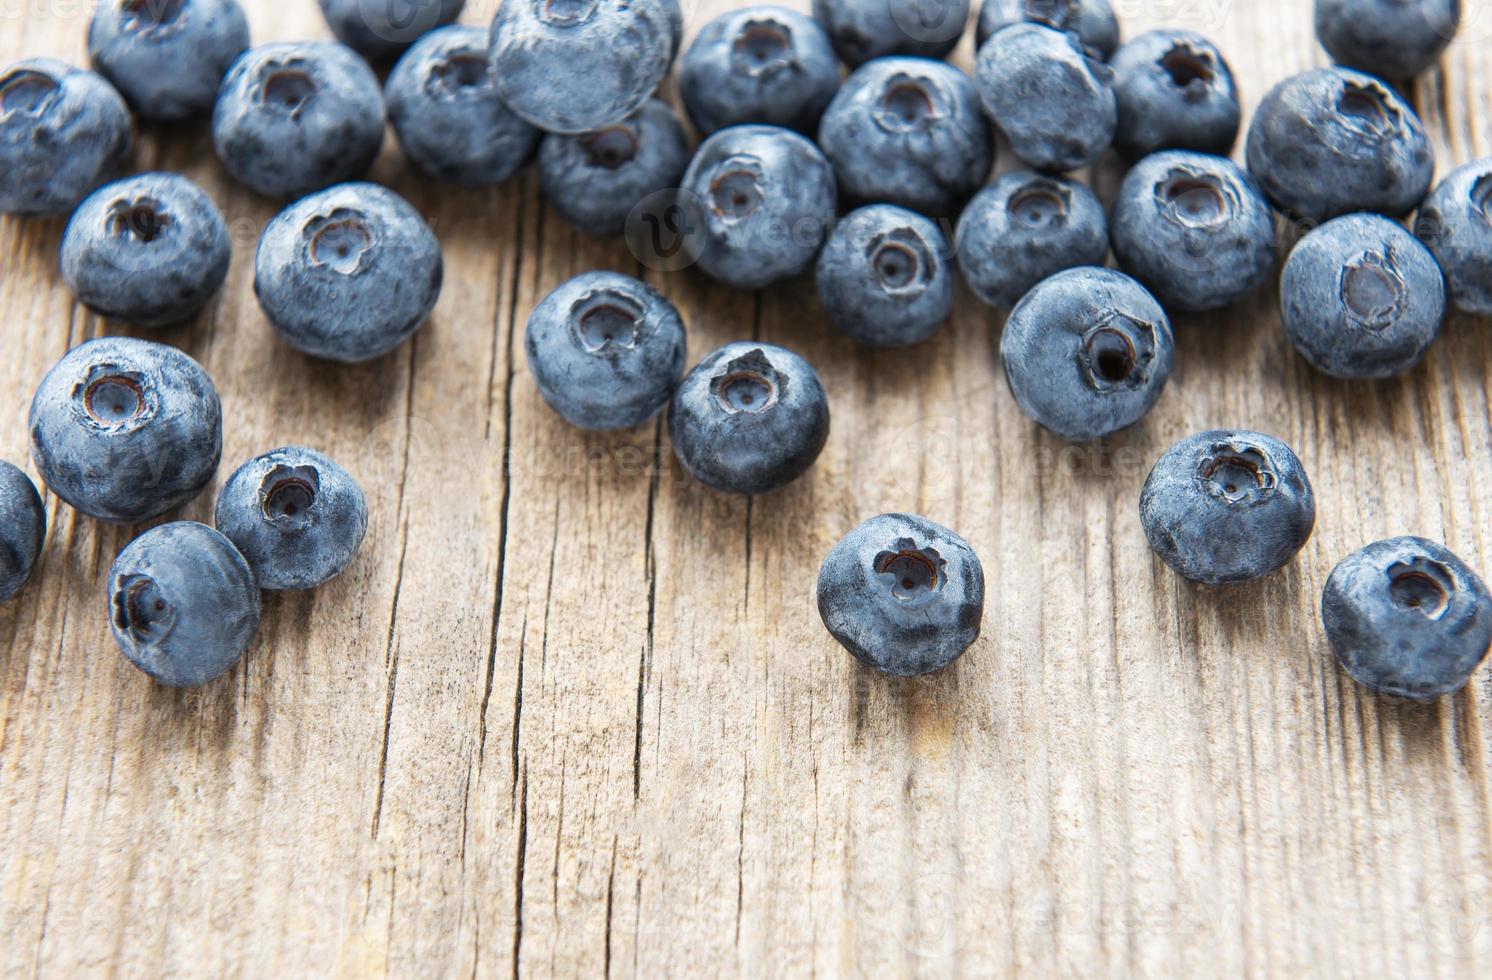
{"points": [[902, 594], [1407, 618], [183, 604], [167, 57], [23, 529], [885, 277], [1174, 91], [1456, 223]]}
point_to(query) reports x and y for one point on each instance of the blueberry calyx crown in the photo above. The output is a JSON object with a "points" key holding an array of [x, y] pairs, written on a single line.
{"points": [[1372, 289], [1237, 471], [340, 240], [565, 13], [148, 16], [909, 571], [459, 72], [1193, 200], [287, 85], [1421, 585], [1117, 352], [900, 261], [1367, 110], [610, 148], [748, 384], [1040, 203], [141, 609], [908, 103], [142, 220], [112, 398], [735, 190], [762, 47], [1189, 68], [29, 92], [607, 320]]}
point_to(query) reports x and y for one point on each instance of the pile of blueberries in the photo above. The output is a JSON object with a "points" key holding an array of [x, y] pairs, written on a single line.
{"points": [[124, 430]]}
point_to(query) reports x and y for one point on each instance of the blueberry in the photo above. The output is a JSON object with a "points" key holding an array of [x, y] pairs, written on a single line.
{"points": [[574, 66], [149, 250], [294, 118], [1093, 21], [125, 430], [764, 199], [864, 29], [167, 57], [1025, 227], [183, 604], [759, 64], [596, 179], [1193, 228], [605, 350], [1174, 91], [1456, 223], [1332, 141], [1087, 353], [1392, 38], [295, 515], [63, 131], [902, 594], [1053, 102], [750, 418], [1407, 618], [348, 274], [908, 131], [381, 30], [1362, 298], [442, 99], [1227, 506], [23, 529], [884, 276]]}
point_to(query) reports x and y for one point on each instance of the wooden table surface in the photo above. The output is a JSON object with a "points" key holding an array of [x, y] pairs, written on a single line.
{"points": [[569, 713]]}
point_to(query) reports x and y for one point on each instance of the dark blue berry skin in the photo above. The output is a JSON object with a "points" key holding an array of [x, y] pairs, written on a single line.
{"points": [[1025, 227], [183, 604], [1054, 103], [150, 250], [1456, 223], [1227, 506], [382, 30], [902, 594], [908, 131], [1407, 618], [759, 64], [295, 515], [750, 418], [1174, 91], [348, 274], [442, 100], [63, 131], [861, 30], [582, 65], [1093, 21], [764, 200], [23, 529], [884, 276], [1332, 141], [294, 118], [606, 351], [1392, 38], [167, 57], [1362, 298], [596, 179], [1194, 229], [1087, 353], [125, 430]]}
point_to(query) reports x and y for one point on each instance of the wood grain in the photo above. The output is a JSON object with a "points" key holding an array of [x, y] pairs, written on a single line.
{"points": [[569, 713]]}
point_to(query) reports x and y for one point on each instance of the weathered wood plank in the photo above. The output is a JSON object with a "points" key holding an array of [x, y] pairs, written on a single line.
{"points": [[569, 712]]}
